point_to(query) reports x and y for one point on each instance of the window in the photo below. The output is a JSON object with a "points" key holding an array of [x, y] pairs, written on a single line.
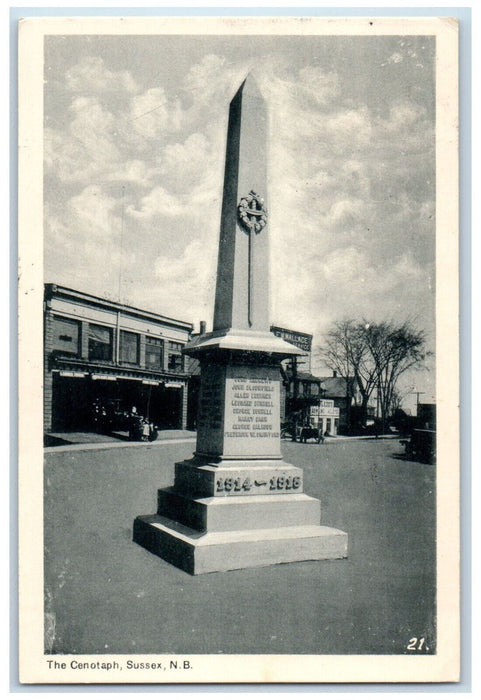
{"points": [[129, 347], [314, 389], [154, 353], [100, 343], [65, 336], [176, 361]]}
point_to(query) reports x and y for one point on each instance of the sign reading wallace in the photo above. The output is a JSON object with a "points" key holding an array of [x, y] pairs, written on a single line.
{"points": [[237, 503]]}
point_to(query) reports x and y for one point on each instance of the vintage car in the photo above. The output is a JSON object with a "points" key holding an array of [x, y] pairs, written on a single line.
{"points": [[303, 433], [421, 445], [108, 416]]}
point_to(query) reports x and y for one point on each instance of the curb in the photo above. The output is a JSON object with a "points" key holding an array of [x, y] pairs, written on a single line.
{"points": [[114, 445]]}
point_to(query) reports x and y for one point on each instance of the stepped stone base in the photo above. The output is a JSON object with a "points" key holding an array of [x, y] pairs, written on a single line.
{"points": [[234, 514], [198, 553]]}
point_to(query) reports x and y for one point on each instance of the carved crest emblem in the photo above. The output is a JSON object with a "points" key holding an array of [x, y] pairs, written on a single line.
{"points": [[252, 212]]}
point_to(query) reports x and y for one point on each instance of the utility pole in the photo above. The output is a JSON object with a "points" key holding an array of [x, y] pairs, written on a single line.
{"points": [[418, 394]]}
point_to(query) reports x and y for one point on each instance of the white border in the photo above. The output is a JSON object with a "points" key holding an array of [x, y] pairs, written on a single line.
{"points": [[444, 666]]}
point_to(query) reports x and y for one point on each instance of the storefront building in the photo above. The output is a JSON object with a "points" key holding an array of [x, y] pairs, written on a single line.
{"points": [[325, 416], [102, 352]]}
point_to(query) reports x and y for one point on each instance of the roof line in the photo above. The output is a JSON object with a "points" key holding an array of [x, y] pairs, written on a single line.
{"points": [[51, 288]]}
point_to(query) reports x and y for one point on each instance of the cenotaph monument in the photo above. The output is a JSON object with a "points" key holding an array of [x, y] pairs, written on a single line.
{"points": [[237, 503]]}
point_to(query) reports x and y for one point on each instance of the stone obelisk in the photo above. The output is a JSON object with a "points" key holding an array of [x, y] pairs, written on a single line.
{"points": [[237, 503]]}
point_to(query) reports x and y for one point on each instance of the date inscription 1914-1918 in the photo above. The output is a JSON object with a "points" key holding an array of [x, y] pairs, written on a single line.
{"points": [[276, 483]]}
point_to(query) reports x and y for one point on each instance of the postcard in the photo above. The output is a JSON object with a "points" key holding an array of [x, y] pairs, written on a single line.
{"points": [[238, 350]]}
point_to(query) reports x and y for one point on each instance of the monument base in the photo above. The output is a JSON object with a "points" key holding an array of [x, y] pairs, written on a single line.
{"points": [[199, 553], [234, 514]]}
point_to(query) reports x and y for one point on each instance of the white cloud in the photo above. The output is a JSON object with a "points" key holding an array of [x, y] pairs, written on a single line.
{"points": [[182, 165], [152, 114], [189, 278], [92, 126], [157, 202], [322, 87], [136, 172], [93, 210], [91, 76]]}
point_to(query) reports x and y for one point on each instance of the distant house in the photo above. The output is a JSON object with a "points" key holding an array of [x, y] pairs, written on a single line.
{"points": [[345, 394]]}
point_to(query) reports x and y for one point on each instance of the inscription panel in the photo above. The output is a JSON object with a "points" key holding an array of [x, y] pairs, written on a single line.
{"points": [[252, 415]]}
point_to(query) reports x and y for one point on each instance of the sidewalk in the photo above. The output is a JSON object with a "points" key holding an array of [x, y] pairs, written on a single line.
{"points": [[338, 438], [65, 442]]}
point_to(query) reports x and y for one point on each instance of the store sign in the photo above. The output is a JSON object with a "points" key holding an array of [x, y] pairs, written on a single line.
{"points": [[173, 385], [329, 412], [300, 340], [325, 408], [72, 374], [104, 377]]}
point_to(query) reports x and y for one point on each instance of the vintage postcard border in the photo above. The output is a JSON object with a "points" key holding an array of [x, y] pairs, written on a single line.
{"points": [[444, 666]]}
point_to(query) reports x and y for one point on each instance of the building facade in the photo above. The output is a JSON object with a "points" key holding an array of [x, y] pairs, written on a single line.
{"points": [[345, 395], [325, 417], [97, 350]]}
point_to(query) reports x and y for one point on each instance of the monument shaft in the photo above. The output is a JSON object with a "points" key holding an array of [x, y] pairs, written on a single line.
{"points": [[236, 503], [242, 290]]}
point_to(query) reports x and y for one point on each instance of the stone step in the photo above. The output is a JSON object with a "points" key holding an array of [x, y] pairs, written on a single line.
{"points": [[198, 553], [239, 512]]}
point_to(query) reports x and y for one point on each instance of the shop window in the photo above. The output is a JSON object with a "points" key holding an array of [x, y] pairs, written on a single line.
{"points": [[100, 343], [154, 353], [176, 361], [129, 347], [65, 336]]}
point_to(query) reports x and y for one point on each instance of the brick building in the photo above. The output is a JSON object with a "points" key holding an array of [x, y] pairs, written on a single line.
{"points": [[99, 350]]}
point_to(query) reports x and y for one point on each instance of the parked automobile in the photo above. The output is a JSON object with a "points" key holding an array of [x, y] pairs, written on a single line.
{"points": [[305, 432], [421, 445], [108, 416]]}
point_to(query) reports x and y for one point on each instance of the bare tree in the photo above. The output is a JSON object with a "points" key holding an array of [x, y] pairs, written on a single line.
{"points": [[375, 355], [346, 352], [394, 350]]}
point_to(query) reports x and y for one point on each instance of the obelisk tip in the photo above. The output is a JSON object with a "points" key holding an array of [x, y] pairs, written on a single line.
{"points": [[249, 86]]}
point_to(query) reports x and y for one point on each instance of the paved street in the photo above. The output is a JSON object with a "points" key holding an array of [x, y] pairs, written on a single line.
{"points": [[107, 594]]}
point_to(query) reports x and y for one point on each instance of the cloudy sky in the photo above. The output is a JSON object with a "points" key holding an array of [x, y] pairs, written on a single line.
{"points": [[135, 131]]}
